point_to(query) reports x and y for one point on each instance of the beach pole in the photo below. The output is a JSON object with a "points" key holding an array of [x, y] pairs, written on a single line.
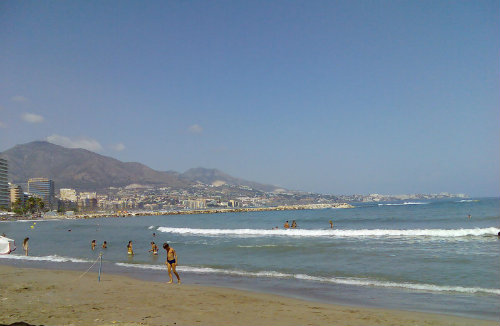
{"points": [[100, 266]]}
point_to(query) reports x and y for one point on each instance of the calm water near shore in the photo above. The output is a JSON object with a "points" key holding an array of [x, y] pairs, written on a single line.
{"points": [[426, 256]]}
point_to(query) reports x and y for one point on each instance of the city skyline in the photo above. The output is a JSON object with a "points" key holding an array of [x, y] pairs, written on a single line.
{"points": [[327, 97]]}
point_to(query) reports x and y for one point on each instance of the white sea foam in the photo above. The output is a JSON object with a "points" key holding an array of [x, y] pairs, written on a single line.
{"points": [[24, 221], [257, 246], [405, 203], [410, 286], [151, 227], [209, 270], [467, 201], [335, 280], [52, 258], [335, 233]]}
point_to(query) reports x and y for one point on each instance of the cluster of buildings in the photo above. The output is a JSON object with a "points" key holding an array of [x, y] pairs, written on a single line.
{"points": [[137, 198], [69, 200], [42, 188], [10, 193]]}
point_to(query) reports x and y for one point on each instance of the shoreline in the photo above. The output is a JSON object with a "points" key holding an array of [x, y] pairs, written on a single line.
{"points": [[60, 297], [190, 211]]}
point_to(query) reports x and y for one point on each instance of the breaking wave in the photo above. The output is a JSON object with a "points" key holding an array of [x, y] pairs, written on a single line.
{"points": [[334, 280], [52, 258], [334, 233], [405, 203]]}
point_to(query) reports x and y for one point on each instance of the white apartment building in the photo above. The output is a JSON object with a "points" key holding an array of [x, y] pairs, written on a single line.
{"points": [[68, 194]]}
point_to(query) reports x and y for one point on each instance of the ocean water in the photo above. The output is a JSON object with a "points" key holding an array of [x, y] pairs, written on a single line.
{"points": [[422, 256]]}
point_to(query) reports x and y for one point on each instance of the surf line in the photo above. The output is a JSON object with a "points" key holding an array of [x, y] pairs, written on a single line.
{"points": [[445, 233]]}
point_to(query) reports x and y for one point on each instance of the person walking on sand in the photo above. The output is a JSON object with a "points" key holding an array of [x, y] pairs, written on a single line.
{"points": [[26, 246], [154, 248], [171, 262], [129, 248], [92, 244]]}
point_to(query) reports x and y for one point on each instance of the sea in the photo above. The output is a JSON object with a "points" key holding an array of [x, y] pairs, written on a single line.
{"points": [[425, 255]]}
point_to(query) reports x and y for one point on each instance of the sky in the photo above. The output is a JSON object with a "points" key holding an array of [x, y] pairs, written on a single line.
{"points": [[334, 97]]}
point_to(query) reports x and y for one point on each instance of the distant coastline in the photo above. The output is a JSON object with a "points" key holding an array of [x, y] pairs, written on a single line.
{"points": [[194, 211]]}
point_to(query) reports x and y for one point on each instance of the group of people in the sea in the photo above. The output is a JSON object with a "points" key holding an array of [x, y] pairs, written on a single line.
{"points": [[93, 245], [171, 261], [294, 225], [288, 226]]}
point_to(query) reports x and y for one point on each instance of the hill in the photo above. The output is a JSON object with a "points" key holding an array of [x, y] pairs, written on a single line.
{"points": [[216, 177], [85, 170]]}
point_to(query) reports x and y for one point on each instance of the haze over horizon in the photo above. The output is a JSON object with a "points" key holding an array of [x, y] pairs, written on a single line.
{"points": [[338, 97]]}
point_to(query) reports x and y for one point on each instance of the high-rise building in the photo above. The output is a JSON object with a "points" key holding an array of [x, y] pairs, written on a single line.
{"points": [[195, 204], [43, 188], [88, 201], [16, 193], [4, 184], [67, 194]]}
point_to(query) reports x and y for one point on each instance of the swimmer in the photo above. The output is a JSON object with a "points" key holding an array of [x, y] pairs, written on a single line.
{"points": [[286, 225], [92, 244], [171, 262], [104, 245], [154, 248], [469, 216], [26, 246], [129, 248], [331, 224]]}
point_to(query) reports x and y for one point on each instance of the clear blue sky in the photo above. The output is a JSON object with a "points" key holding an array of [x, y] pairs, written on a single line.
{"points": [[335, 97]]}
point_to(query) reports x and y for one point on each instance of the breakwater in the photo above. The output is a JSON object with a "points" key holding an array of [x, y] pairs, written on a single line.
{"points": [[210, 211]]}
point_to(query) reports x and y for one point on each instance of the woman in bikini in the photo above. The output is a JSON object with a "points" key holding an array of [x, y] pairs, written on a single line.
{"points": [[26, 246], [154, 248], [129, 248]]}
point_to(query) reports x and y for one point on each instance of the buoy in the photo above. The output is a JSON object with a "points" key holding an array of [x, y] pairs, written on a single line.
{"points": [[32, 226]]}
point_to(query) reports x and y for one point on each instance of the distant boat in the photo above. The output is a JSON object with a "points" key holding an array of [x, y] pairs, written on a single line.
{"points": [[6, 245]]}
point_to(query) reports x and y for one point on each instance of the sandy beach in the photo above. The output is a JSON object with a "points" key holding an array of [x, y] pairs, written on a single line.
{"points": [[56, 297]]}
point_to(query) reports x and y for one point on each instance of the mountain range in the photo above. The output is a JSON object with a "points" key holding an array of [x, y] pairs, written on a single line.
{"points": [[85, 170]]}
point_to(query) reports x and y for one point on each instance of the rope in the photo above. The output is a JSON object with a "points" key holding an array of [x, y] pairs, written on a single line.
{"points": [[100, 254]]}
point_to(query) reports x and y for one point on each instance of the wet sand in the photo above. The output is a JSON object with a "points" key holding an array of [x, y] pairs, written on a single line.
{"points": [[57, 297]]}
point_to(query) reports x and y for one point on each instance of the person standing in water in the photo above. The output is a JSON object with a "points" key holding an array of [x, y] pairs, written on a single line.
{"points": [[154, 248], [171, 262], [129, 248], [26, 246], [331, 224], [286, 225], [92, 244], [104, 245]]}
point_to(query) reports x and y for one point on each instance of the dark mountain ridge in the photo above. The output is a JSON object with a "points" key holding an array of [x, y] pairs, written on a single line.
{"points": [[85, 170]]}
